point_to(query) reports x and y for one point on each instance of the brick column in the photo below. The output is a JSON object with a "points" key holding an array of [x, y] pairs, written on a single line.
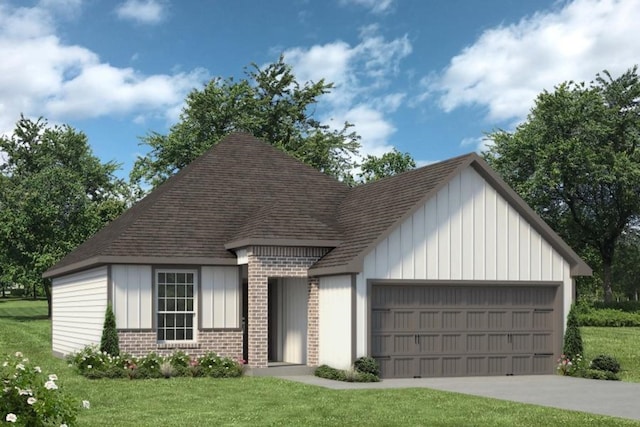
{"points": [[313, 306], [257, 295]]}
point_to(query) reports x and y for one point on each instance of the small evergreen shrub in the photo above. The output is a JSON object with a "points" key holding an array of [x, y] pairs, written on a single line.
{"points": [[604, 362], [596, 374], [573, 346], [367, 365], [351, 375], [109, 342]]}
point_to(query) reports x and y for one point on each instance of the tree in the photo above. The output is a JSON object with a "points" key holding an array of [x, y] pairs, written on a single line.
{"points": [[626, 266], [109, 341], [576, 161], [55, 194], [391, 163], [572, 347], [270, 104]]}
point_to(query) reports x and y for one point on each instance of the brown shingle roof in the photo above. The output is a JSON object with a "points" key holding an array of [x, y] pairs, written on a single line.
{"points": [[243, 191], [216, 199]]}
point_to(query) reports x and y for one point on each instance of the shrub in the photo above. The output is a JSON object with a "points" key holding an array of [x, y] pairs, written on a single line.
{"points": [[325, 371], [367, 365], [571, 367], [608, 317], [572, 339], [29, 397], [604, 362], [351, 375], [627, 306], [109, 342], [596, 374]]}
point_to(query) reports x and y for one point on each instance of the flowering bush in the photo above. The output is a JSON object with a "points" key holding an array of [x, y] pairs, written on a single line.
{"points": [[32, 398], [92, 363], [572, 368]]}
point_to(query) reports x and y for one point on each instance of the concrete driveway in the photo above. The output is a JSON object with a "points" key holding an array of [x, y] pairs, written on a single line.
{"points": [[613, 398]]}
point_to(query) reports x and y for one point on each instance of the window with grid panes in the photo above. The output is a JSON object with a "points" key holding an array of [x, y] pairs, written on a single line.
{"points": [[175, 305]]}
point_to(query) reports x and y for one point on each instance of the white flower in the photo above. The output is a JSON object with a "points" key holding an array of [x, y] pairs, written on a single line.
{"points": [[11, 418], [37, 369], [31, 400], [53, 377], [63, 425], [5, 364], [86, 404], [50, 385], [20, 366], [89, 366], [18, 354], [25, 392]]}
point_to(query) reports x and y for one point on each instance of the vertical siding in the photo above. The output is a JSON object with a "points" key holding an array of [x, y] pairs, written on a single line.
{"points": [[220, 294], [132, 296], [466, 232], [292, 335], [335, 321], [79, 302]]}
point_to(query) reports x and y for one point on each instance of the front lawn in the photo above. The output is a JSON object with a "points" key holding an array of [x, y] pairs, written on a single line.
{"points": [[259, 400], [622, 343]]}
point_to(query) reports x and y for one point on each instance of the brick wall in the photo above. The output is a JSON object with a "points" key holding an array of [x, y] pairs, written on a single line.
{"points": [[265, 262], [313, 321], [223, 343]]}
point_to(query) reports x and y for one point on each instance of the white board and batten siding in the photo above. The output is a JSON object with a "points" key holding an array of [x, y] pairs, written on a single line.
{"points": [[220, 299], [467, 231], [335, 313], [132, 296], [79, 302]]}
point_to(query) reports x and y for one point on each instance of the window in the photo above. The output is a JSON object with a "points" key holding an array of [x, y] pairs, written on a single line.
{"points": [[176, 303]]}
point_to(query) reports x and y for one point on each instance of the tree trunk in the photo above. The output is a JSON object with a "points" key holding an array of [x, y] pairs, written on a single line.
{"points": [[47, 291], [606, 280]]}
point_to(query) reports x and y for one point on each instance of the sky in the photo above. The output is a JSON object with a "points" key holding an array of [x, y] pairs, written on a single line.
{"points": [[430, 78]]}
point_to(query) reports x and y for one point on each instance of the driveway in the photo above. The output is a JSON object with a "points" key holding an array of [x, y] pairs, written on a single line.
{"points": [[613, 398]]}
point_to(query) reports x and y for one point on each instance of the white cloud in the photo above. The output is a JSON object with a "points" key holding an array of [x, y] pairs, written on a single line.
{"points": [[375, 6], [142, 11], [507, 66], [359, 73], [41, 75]]}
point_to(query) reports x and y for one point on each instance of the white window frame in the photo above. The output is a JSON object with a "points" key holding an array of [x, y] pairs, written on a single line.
{"points": [[193, 312]]}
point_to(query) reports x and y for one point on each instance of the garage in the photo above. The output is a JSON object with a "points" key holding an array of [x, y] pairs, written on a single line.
{"points": [[465, 329]]}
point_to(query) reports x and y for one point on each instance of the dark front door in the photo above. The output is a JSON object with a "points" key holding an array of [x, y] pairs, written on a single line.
{"points": [[245, 320]]}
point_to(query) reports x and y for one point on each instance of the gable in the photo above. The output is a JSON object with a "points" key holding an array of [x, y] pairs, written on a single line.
{"points": [[466, 231]]}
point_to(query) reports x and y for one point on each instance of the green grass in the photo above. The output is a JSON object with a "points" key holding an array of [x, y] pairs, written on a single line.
{"points": [[621, 343], [259, 400]]}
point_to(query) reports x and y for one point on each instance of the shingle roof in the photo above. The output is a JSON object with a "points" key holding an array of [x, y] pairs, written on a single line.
{"points": [[372, 209], [226, 194], [244, 191]]}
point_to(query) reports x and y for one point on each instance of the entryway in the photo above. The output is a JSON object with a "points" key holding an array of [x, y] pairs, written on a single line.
{"points": [[287, 302]]}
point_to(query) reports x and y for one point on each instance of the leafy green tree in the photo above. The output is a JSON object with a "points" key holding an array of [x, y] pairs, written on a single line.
{"points": [[55, 194], [391, 163], [576, 161], [109, 342], [270, 104], [626, 266]]}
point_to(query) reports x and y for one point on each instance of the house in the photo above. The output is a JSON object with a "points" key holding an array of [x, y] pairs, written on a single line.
{"points": [[439, 271]]}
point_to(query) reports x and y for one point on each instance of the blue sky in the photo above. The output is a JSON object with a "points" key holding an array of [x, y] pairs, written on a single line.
{"points": [[426, 77]]}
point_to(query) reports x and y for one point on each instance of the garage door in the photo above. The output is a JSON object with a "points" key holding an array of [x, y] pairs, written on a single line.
{"points": [[441, 331]]}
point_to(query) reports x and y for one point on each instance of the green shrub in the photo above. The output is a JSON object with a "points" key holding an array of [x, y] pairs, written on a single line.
{"points": [[109, 342], [367, 365], [627, 306], [604, 362], [325, 371], [608, 317], [17, 292], [596, 374], [573, 346], [30, 397], [351, 375]]}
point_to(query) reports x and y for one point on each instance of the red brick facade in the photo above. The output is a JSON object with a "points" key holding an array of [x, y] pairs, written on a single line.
{"points": [[223, 343]]}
